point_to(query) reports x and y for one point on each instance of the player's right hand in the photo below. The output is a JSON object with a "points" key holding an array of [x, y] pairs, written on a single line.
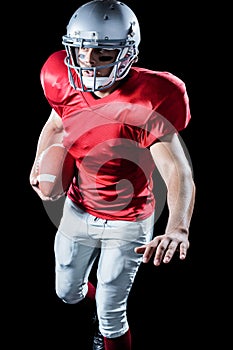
{"points": [[33, 179]]}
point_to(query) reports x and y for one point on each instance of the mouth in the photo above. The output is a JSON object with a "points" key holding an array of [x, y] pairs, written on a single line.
{"points": [[88, 73], [91, 73]]}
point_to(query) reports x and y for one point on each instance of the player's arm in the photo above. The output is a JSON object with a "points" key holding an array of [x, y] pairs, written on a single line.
{"points": [[176, 172], [51, 133]]}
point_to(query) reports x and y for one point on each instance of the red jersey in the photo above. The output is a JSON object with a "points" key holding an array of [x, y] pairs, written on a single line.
{"points": [[110, 137]]}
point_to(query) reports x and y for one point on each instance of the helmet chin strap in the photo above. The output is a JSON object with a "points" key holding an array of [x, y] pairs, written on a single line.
{"points": [[99, 82]]}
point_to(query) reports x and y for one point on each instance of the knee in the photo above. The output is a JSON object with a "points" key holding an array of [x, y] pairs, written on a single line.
{"points": [[70, 296]]}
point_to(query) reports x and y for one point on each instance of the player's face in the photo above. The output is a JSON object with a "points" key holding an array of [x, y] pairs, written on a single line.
{"points": [[89, 57]]}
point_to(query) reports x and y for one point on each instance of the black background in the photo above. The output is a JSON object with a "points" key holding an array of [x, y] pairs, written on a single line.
{"points": [[170, 305]]}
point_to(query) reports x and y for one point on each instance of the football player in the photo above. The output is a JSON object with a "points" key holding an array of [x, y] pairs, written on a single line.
{"points": [[120, 122]]}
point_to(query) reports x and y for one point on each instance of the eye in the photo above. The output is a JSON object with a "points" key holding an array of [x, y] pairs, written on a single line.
{"points": [[106, 58], [81, 56]]}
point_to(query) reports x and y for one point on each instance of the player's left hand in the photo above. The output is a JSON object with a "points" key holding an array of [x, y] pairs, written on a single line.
{"points": [[164, 247]]}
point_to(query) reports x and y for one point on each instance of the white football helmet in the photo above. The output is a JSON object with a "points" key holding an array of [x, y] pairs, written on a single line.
{"points": [[102, 24]]}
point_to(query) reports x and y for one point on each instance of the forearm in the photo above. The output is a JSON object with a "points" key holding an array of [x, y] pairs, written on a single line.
{"points": [[51, 133], [180, 200], [48, 137]]}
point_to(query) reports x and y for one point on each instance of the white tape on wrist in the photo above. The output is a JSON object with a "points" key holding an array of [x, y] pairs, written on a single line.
{"points": [[55, 144], [46, 177]]}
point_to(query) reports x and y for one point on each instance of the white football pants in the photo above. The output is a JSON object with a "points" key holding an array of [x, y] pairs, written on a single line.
{"points": [[80, 239]]}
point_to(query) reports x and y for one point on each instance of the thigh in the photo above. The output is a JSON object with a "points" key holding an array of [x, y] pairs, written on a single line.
{"points": [[118, 263], [75, 254], [73, 264]]}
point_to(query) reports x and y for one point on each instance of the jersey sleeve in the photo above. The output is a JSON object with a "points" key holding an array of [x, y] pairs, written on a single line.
{"points": [[171, 115], [55, 82]]}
